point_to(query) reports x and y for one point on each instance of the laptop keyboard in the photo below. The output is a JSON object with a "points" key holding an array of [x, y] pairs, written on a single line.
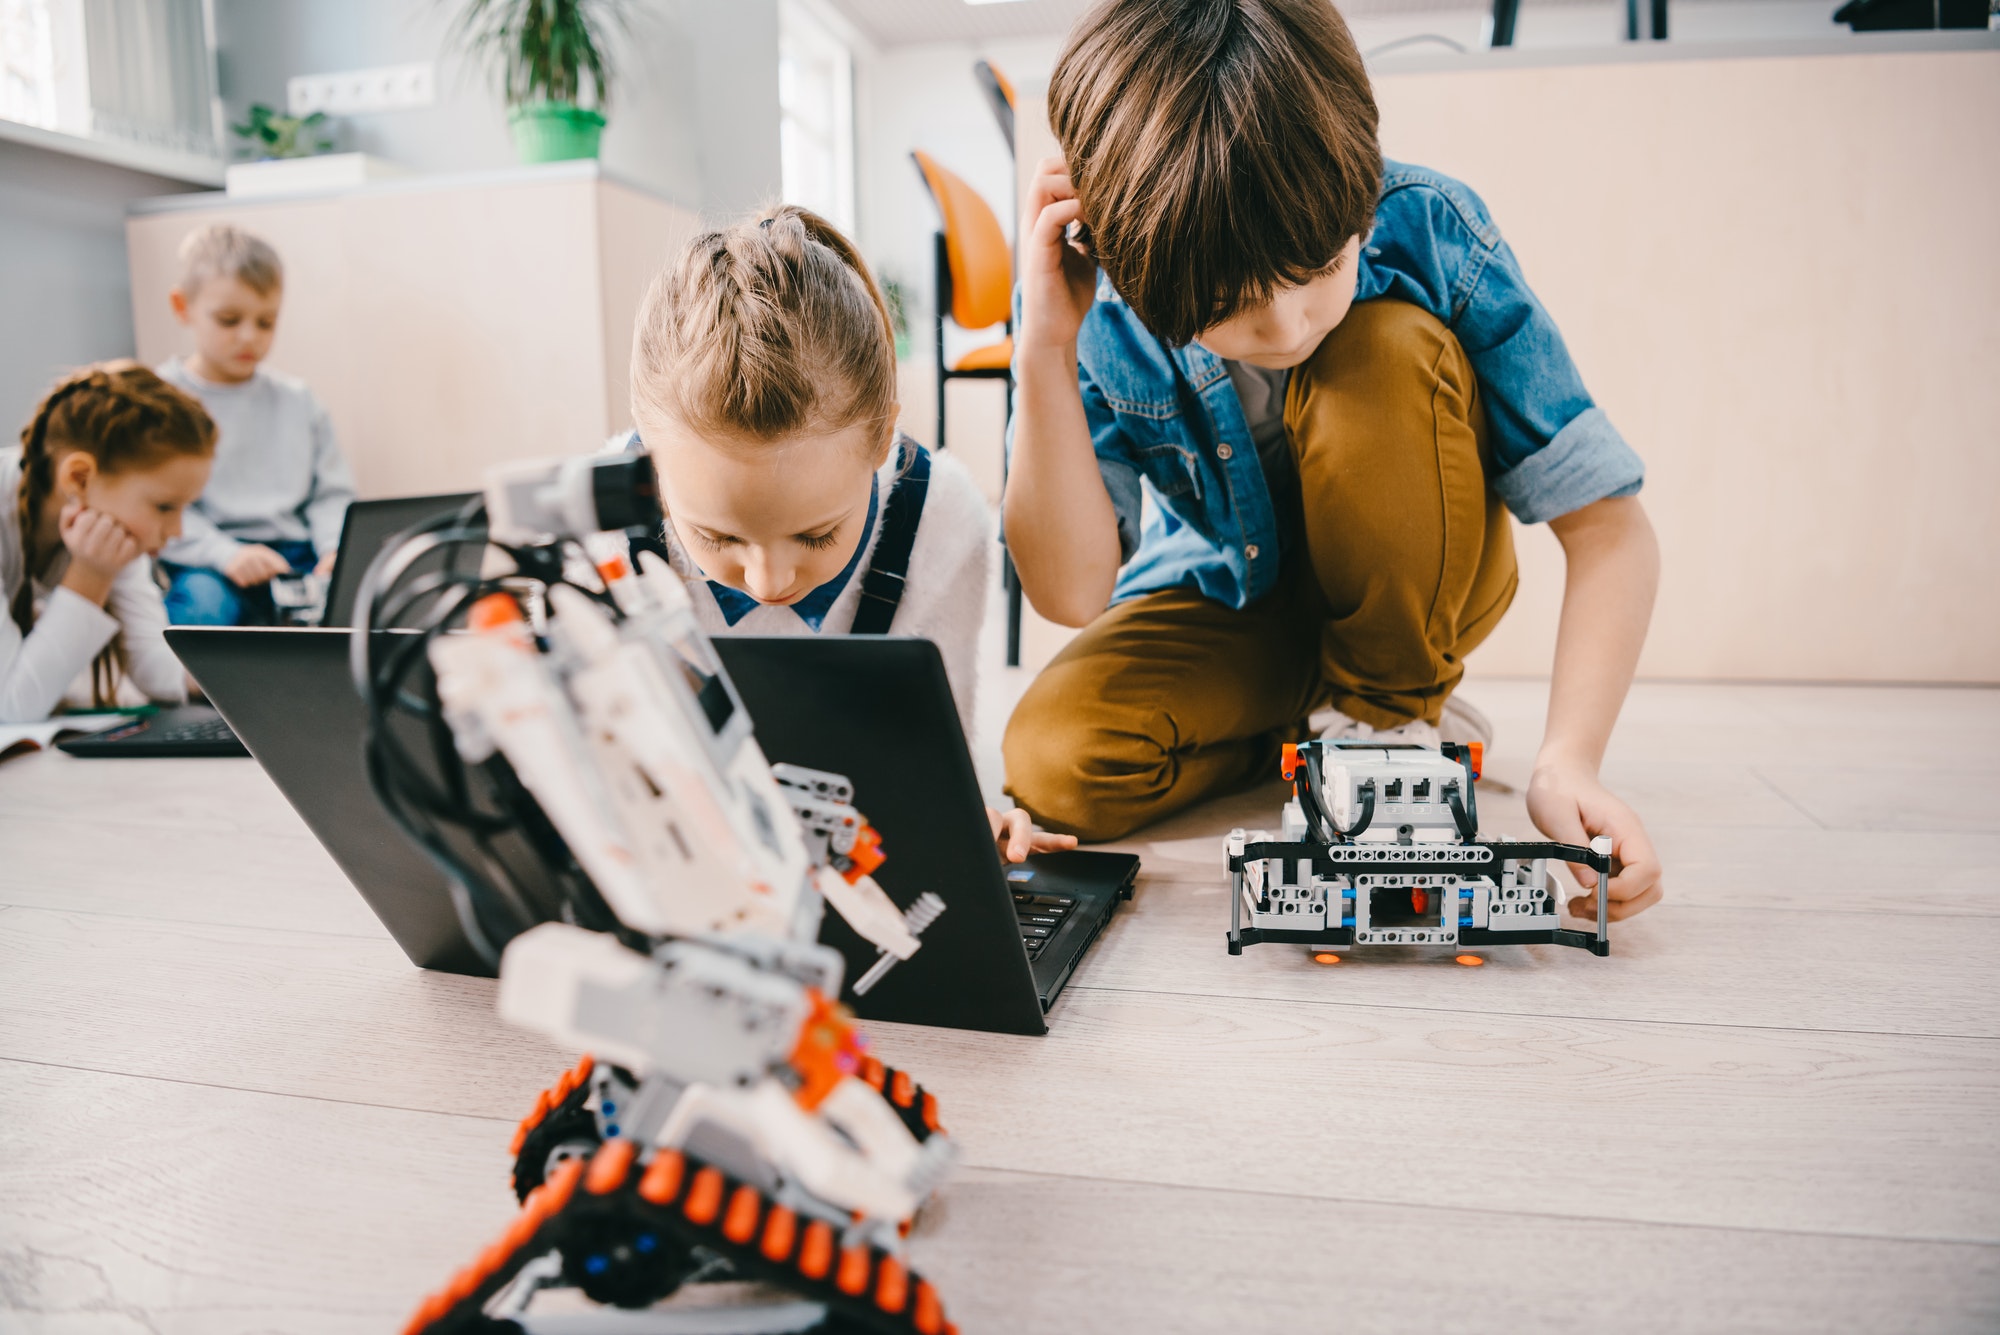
{"points": [[200, 730], [1041, 917]]}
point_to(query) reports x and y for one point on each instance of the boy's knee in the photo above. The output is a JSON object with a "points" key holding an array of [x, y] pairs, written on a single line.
{"points": [[1076, 770], [1384, 355], [201, 597]]}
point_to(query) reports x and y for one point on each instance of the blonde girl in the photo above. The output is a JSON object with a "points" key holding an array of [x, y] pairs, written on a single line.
{"points": [[105, 467], [764, 385]]}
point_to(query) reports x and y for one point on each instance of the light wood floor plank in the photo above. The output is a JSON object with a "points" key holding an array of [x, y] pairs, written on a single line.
{"points": [[222, 1212], [248, 880], [1845, 1133], [1677, 964]]}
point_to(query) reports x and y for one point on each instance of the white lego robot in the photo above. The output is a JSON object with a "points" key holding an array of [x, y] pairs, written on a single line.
{"points": [[1380, 846], [729, 1123]]}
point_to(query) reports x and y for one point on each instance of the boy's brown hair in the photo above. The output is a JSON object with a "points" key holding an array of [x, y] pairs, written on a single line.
{"points": [[220, 250], [126, 418], [764, 330], [1219, 149]]}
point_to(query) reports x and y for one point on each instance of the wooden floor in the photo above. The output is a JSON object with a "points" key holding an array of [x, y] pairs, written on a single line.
{"points": [[228, 1104]]}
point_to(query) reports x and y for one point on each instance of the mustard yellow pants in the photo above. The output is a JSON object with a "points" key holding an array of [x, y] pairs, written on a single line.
{"points": [[1170, 698]]}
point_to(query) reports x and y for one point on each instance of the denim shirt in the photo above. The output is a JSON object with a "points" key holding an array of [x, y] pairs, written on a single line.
{"points": [[1166, 423]]}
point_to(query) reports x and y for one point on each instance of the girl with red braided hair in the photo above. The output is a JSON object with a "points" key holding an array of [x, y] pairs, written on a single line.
{"points": [[105, 467]]}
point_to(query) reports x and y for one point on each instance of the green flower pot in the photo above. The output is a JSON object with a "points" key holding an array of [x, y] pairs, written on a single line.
{"points": [[554, 131]]}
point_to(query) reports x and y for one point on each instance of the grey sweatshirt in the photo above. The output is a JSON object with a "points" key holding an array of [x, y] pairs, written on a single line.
{"points": [[278, 475]]}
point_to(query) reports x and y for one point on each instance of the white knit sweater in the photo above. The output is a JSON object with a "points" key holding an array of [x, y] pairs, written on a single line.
{"points": [[944, 593]]}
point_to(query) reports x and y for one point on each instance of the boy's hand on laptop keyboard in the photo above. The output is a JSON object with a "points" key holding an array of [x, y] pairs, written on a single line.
{"points": [[1017, 836], [255, 564]]}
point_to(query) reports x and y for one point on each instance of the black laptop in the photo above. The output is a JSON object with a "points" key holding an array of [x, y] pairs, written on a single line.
{"points": [[197, 729], [877, 709], [368, 526]]}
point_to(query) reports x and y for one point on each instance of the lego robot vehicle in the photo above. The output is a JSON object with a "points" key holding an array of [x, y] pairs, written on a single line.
{"points": [[1380, 846]]}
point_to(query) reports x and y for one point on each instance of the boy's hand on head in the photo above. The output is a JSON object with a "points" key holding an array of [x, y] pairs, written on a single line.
{"points": [[254, 564], [99, 547], [1569, 804], [1058, 278], [1016, 836]]}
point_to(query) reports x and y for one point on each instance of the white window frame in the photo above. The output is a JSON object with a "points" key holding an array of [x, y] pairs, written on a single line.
{"points": [[806, 36]]}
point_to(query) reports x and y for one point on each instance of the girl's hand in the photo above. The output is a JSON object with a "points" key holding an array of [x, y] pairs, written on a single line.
{"points": [[1568, 804], [1017, 836], [1058, 277], [99, 547]]}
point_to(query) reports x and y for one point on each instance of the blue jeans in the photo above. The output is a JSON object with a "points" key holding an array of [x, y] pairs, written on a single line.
{"points": [[204, 596]]}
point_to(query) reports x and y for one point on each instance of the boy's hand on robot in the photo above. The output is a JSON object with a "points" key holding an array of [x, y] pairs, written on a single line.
{"points": [[1016, 836], [254, 564], [1571, 806]]}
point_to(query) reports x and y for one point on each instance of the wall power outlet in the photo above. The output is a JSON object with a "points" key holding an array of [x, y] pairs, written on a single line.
{"points": [[359, 92]]}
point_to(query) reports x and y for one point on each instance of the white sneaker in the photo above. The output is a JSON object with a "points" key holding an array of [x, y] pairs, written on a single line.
{"points": [[1343, 729], [1462, 721]]}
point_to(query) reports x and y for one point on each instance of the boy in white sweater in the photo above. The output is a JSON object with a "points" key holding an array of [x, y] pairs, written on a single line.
{"points": [[280, 488]]}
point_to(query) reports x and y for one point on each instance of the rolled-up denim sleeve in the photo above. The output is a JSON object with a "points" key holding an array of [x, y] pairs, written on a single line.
{"points": [[1554, 449]]}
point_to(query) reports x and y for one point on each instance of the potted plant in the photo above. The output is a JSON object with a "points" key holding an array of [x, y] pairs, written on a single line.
{"points": [[551, 61], [271, 136]]}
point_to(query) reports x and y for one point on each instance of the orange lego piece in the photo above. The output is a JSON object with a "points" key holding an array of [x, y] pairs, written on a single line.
{"points": [[781, 1229], [928, 1316], [555, 1192], [931, 1112], [493, 611], [852, 1277], [609, 1165], [873, 1073], [892, 1285], [704, 1200], [816, 1252], [1478, 750], [739, 1225], [866, 855], [1288, 760], [902, 1089], [612, 569], [662, 1179], [828, 1048], [430, 1310]]}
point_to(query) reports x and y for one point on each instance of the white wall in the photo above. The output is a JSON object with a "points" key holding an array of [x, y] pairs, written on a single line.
{"points": [[926, 97], [65, 291], [695, 103]]}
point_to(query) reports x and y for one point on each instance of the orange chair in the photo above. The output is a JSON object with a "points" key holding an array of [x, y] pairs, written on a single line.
{"points": [[975, 283], [975, 279], [999, 90]]}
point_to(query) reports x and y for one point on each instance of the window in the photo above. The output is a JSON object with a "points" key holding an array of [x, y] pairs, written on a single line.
{"points": [[136, 71], [815, 115]]}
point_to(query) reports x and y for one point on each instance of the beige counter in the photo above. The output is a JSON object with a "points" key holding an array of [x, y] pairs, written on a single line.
{"points": [[446, 322]]}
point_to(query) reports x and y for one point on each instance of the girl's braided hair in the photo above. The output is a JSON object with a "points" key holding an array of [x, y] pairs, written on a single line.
{"points": [[124, 417], [763, 330]]}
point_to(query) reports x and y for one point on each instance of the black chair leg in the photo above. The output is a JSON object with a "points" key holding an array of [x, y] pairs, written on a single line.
{"points": [[1011, 582]]}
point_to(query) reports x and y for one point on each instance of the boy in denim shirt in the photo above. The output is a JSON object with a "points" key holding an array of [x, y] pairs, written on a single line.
{"points": [[1273, 394]]}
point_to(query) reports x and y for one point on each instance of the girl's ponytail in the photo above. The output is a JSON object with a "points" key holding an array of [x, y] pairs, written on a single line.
{"points": [[765, 330]]}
